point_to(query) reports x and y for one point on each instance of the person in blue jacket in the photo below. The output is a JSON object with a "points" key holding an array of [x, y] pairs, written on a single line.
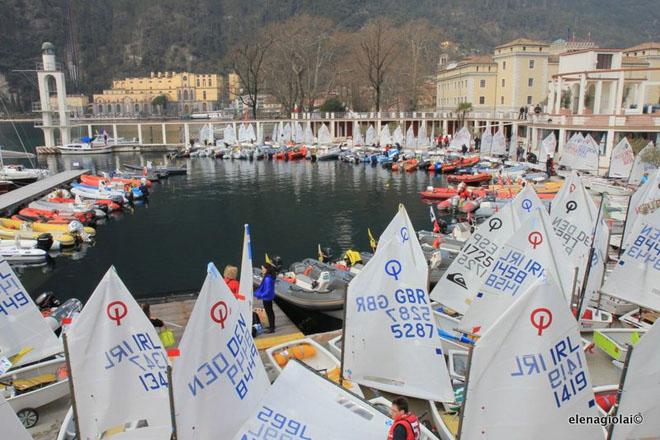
{"points": [[266, 293]]}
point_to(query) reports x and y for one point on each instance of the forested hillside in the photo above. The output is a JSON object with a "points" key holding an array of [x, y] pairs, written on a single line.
{"points": [[110, 38]]}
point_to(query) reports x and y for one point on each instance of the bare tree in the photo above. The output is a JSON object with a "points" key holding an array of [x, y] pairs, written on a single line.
{"points": [[247, 60], [377, 48], [420, 46]]}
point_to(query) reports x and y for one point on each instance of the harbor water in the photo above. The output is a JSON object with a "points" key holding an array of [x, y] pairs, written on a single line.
{"points": [[164, 245]]}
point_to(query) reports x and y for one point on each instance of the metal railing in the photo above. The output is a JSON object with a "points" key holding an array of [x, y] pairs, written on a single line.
{"points": [[44, 68]]}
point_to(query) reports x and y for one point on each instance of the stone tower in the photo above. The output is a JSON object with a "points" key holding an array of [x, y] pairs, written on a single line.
{"points": [[55, 116]]}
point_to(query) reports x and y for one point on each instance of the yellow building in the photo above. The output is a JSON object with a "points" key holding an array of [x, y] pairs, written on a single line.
{"points": [[516, 75], [522, 73], [233, 86], [471, 80], [185, 93], [77, 105]]}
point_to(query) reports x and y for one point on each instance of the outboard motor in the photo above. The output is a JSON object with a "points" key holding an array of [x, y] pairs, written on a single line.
{"points": [[78, 230], [47, 300], [45, 241]]}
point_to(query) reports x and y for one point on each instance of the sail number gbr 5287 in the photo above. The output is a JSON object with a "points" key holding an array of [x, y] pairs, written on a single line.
{"points": [[410, 314]]}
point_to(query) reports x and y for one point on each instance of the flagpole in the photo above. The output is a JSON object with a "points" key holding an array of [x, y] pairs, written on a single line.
{"points": [[74, 404], [170, 392], [590, 258], [619, 391]]}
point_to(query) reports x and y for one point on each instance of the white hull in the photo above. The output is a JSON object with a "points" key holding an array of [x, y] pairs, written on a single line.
{"points": [[84, 151], [323, 361], [20, 255], [599, 319], [39, 396]]}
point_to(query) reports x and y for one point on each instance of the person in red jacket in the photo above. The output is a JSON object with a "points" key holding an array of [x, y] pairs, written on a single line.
{"points": [[231, 278], [406, 424]]}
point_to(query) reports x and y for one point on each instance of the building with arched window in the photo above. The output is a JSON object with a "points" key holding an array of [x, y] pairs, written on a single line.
{"points": [[183, 93]]}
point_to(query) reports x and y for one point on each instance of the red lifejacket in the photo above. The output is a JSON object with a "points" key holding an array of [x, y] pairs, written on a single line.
{"points": [[410, 423]]}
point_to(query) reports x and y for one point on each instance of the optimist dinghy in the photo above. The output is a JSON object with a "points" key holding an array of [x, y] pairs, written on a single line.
{"points": [[312, 354]]}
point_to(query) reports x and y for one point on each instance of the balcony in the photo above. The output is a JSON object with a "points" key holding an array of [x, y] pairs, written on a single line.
{"points": [[40, 66], [638, 122]]}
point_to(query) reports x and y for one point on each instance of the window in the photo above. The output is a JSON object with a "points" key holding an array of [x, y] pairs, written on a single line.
{"points": [[524, 48], [531, 64], [529, 100], [503, 65], [604, 61], [530, 82], [501, 99], [198, 82], [118, 108], [137, 108], [503, 82], [482, 83], [482, 100], [204, 95]]}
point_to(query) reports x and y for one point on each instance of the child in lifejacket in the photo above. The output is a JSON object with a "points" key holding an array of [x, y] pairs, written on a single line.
{"points": [[406, 424]]}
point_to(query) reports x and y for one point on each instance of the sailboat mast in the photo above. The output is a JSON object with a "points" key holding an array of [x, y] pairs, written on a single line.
{"points": [[465, 392], [625, 223], [622, 381], [74, 404], [583, 291], [170, 392]]}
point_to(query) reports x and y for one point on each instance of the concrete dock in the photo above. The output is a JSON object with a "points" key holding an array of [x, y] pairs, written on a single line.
{"points": [[33, 191]]}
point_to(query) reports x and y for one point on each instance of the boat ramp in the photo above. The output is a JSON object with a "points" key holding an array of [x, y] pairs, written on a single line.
{"points": [[33, 191]]}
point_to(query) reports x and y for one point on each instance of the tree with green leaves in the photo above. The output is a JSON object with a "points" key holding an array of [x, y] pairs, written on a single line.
{"points": [[333, 105], [160, 102]]}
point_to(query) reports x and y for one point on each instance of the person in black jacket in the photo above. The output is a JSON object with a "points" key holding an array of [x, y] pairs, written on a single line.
{"points": [[146, 308]]}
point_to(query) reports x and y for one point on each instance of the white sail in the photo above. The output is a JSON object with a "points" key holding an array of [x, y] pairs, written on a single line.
{"points": [[499, 143], [468, 270], [533, 252], [22, 328], [422, 138], [229, 135], [513, 144], [384, 137], [246, 287], [357, 135], [241, 134], [370, 136], [250, 134], [286, 133], [219, 366], [12, 429], [324, 137], [636, 278], [411, 142], [206, 135], [388, 311], [643, 202], [641, 389], [118, 365], [525, 203], [300, 134], [529, 374], [461, 138], [641, 166], [571, 145], [397, 136], [580, 153], [275, 137], [309, 134], [574, 214], [622, 159], [303, 405], [260, 134], [548, 145], [486, 141]]}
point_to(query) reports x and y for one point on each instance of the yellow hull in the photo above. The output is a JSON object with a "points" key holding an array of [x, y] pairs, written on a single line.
{"points": [[9, 234], [41, 227]]}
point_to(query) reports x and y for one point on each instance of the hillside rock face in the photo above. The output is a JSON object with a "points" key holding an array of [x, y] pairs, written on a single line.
{"points": [[107, 39]]}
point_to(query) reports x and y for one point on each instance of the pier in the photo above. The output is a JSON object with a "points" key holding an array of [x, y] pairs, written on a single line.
{"points": [[33, 191]]}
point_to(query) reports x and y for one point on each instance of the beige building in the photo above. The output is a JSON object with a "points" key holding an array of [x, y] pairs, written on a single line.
{"points": [[77, 105], [471, 80], [522, 73], [185, 93], [516, 75]]}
